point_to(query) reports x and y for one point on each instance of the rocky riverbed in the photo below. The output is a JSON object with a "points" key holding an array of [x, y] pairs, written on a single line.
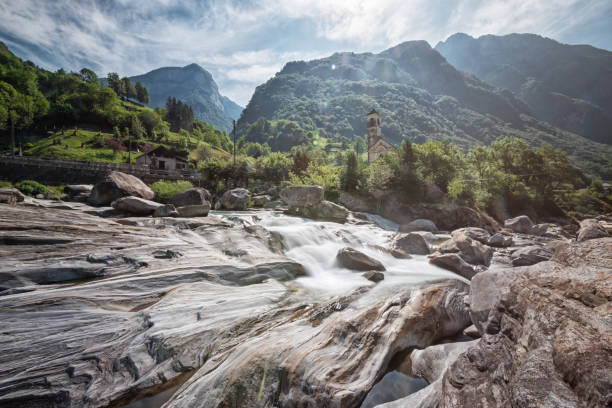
{"points": [[241, 309]]}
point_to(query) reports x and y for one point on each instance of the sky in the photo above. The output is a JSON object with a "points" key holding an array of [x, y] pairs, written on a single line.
{"points": [[245, 42]]}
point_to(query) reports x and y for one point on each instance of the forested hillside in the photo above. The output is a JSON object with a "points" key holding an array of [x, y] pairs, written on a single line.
{"points": [[569, 86], [420, 97]]}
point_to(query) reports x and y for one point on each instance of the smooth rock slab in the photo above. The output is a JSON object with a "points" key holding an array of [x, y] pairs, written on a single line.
{"points": [[135, 205]]}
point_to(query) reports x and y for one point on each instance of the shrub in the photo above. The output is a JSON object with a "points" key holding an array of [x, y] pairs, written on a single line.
{"points": [[5, 184], [31, 188], [166, 190]]}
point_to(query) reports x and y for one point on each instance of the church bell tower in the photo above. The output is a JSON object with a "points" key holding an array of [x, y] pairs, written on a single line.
{"points": [[374, 133]]}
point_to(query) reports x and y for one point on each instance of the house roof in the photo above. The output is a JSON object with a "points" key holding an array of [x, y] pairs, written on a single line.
{"points": [[372, 112], [161, 151]]}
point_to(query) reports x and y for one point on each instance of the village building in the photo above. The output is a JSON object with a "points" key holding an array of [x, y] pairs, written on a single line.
{"points": [[161, 158], [376, 144]]}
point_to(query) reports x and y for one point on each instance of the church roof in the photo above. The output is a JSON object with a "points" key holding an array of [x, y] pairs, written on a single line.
{"points": [[373, 111]]}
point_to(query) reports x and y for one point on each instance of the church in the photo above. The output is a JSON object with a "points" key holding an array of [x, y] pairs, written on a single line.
{"points": [[376, 144]]}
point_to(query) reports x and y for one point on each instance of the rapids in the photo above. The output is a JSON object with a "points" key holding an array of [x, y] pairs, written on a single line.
{"points": [[314, 244]]}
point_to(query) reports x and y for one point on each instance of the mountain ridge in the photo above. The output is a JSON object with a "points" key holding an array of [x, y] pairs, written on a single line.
{"points": [[194, 86], [569, 86], [420, 96]]}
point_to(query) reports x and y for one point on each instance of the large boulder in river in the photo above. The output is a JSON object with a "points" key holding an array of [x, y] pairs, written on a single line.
{"points": [[192, 196], [469, 249], [353, 259], [411, 243], [591, 229], [453, 262], [521, 224], [166, 210], [117, 185], [530, 255], [325, 211], [546, 337], [302, 196], [8, 195], [235, 199], [200, 210], [135, 205], [419, 225]]}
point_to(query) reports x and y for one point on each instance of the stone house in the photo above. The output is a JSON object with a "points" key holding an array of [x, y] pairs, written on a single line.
{"points": [[161, 158], [376, 144]]}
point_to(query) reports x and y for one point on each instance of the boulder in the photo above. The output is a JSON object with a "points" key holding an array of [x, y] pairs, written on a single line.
{"points": [[117, 185], [166, 210], [325, 211], [235, 199], [470, 250], [374, 276], [500, 240], [479, 234], [472, 332], [411, 243], [78, 192], [545, 334], [352, 259], [135, 205], [420, 224], [453, 262], [192, 196], [194, 210], [302, 196], [521, 224], [591, 229], [353, 202], [431, 362], [530, 255], [8, 195], [261, 200]]}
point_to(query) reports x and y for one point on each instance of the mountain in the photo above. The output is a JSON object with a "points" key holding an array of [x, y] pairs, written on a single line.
{"points": [[569, 86], [194, 86], [419, 95]]}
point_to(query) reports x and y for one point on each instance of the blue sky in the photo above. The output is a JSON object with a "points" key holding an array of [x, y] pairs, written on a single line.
{"points": [[244, 42]]}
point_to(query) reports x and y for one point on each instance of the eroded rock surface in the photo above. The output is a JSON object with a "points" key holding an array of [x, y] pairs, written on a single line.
{"points": [[546, 334]]}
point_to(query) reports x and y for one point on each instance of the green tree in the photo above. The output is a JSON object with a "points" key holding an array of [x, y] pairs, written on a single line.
{"points": [[359, 145], [128, 88], [87, 75], [351, 172], [114, 82], [142, 94]]}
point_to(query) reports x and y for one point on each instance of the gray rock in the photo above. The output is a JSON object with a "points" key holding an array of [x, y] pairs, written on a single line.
{"points": [[302, 196], [521, 224], [411, 243], [472, 331], [353, 202], [261, 200], [374, 276], [235, 199], [166, 210], [591, 229], [546, 334], [352, 259], [500, 240], [8, 194], [431, 362], [192, 196], [530, 255], [419, 225], [324, 211], [117, 185], [193, 210], [135, 205], [453, 262], [469, 249], [479, 234], [76, 189]]}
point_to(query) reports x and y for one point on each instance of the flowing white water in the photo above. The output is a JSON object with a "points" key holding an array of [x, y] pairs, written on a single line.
{"points": [[315, 244]]}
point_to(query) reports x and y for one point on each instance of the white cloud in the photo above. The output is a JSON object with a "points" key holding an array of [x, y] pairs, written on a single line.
{"points": [[244, 42]]}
